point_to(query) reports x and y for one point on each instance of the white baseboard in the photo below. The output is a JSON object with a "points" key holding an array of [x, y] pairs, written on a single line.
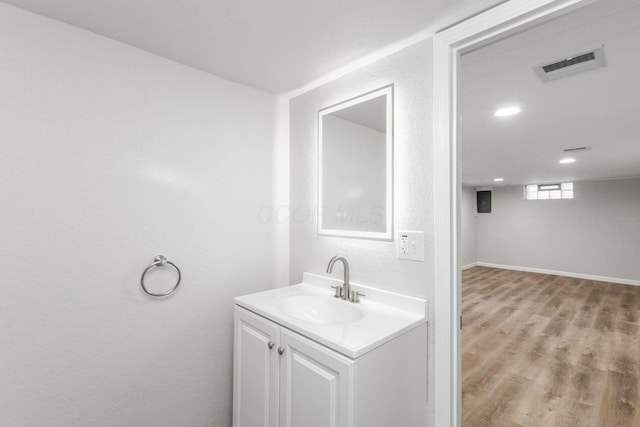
{"points": [[468, 266], [560, 273]]}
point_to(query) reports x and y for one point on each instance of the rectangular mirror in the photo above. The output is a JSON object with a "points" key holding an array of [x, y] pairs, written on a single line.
{"points": [[355, 167]]}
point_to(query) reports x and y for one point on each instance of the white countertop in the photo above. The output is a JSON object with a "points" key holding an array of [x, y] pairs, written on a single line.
{"points": [[386, 315]]}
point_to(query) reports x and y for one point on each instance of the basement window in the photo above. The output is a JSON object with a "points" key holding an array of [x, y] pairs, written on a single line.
{"points": [[557, 191]]}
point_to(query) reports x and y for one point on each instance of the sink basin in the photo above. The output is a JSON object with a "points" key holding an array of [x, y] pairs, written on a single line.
{"points": [[320, 309], [352, 329]]}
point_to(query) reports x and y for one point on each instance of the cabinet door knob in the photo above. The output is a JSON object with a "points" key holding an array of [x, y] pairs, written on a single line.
{"points": [[270, 345], [280, 351]]}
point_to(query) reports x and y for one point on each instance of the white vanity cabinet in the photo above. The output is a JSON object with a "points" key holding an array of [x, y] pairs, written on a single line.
{"points": [[283, 379]]}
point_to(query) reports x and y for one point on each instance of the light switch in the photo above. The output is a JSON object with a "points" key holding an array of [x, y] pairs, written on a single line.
{"points": [[410, 245]]}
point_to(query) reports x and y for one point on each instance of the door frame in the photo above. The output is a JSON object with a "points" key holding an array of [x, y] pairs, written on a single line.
{"points": [[497, 23]]}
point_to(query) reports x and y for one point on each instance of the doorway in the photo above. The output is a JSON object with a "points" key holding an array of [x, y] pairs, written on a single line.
{"points": [[503, 21], [550, 158]]}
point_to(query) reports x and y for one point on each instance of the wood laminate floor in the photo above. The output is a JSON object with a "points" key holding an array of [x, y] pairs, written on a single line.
{"points": [[542, 350]]}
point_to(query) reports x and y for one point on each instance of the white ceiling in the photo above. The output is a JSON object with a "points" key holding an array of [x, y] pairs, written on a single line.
{"points": [[276, 45], [598, 108]]}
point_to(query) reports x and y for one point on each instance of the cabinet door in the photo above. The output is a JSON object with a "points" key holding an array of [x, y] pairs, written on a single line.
{"points": [[316, 384], [255, 371]]}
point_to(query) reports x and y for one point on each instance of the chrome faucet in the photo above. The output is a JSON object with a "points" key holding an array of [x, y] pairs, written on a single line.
{"points": [[345, 291]]}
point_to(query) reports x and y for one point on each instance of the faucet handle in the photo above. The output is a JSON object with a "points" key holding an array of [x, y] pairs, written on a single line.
{"points": [[355, 296], [338, 291]]}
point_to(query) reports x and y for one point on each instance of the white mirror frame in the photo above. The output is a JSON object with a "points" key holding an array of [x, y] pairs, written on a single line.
{"points": [[386, 91]]}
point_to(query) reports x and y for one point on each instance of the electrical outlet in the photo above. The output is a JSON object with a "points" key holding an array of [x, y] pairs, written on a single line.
{"points": [[403, 240], [410, 245]]}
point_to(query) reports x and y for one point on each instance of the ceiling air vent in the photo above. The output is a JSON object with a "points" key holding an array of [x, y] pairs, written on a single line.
{"points": [[573, 150], [569, 66]]}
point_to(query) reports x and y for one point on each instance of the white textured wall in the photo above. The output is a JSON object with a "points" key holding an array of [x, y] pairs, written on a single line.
{"points": [[372, 262], [596, 233], [111, 155], [468, 226]]}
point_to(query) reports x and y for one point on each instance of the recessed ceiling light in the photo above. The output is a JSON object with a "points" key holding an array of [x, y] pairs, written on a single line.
{"points": [[567, 160], [507, 111], [498, 179]]}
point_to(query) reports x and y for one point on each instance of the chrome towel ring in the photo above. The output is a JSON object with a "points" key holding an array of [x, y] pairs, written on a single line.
{"points": [[160, 261]]}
